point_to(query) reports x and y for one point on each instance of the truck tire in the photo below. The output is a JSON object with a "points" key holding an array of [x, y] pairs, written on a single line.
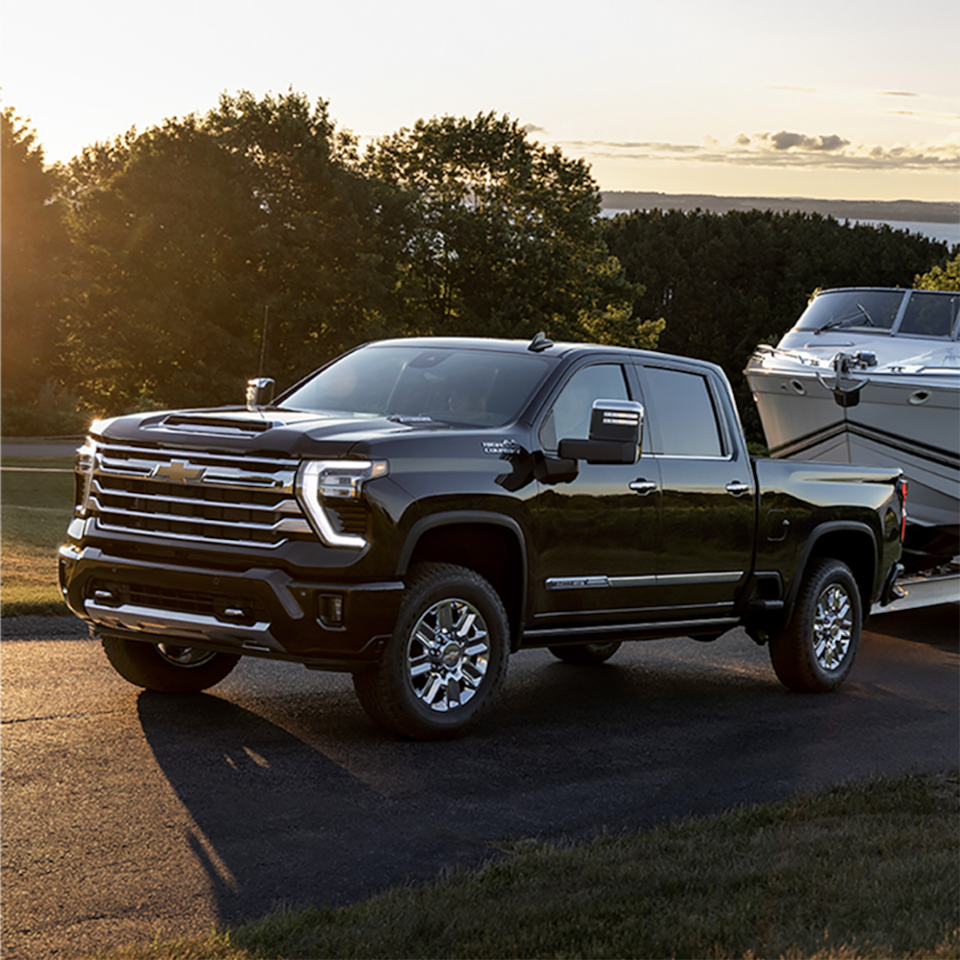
{"points": [[167, 667], [587, 654], [815, 651], [447, 658]]}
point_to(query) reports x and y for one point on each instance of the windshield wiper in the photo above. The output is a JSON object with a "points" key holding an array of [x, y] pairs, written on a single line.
{"points": [[407, 418], [847, 321]]}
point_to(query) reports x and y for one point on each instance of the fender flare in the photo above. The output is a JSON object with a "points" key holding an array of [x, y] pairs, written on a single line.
{"points": [[818, 533], [449, 518]]}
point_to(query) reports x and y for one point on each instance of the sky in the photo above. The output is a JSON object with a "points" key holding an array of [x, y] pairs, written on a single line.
{"points": [[835, 99]]}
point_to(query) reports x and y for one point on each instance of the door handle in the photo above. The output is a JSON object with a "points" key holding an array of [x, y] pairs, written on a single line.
{"points": [[643, 487], [737, 488]]}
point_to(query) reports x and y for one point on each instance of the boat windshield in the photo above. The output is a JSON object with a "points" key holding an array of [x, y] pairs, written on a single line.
{"points": [[867, 310], [930, 314], [424, 384]]}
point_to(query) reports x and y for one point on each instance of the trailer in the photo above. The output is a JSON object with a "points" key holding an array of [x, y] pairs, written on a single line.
{"points": [[926, 590]]}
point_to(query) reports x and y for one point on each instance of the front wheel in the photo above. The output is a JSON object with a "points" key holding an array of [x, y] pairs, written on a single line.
{"points": [[815, 651], [168, 667], [446, 660]]}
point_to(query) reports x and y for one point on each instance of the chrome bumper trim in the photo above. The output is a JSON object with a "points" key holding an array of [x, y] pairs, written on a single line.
{"points": [[166, 623]]}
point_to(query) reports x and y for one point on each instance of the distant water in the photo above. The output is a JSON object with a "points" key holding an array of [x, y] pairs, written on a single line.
{"points": [[941, 232]]}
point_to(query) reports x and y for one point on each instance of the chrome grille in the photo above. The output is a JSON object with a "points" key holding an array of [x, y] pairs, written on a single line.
{"points": [[194, 496]]}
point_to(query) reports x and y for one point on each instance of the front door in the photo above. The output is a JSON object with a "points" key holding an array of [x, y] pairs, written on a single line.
{"points": [[596, 537]]}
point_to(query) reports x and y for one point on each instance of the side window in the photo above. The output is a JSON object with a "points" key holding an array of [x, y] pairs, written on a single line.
{"points": [[569, 417], [681, 409], [930, 315]]}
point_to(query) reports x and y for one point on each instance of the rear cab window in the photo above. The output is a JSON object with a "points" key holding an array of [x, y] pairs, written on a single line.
{"points": [[682, 417]]}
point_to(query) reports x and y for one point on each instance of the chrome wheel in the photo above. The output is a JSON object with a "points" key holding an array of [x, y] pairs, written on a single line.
{"points": [[832, 627], [445, 663], [815, 649], [184, 656], [447, 655]]}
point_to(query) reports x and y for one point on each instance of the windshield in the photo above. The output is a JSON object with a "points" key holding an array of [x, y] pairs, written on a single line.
{"points": [[473, 387], [866, 310]]}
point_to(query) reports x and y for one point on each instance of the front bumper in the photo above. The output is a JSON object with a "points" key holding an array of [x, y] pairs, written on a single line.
{"points": [[254, 611]]}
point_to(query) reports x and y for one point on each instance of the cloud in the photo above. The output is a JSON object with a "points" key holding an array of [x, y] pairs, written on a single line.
{"points": [[782, 149], [789, 141], [897, 93], [925, 115], [642, 147]]}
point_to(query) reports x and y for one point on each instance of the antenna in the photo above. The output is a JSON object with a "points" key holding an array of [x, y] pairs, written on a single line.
{"points": [[540, 343], [263, 339]]}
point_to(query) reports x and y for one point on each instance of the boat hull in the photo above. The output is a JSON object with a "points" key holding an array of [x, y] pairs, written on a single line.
{"points": [[904, 421]]}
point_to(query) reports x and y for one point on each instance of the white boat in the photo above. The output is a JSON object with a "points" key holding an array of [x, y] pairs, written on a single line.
{"points": [[872, 375]]}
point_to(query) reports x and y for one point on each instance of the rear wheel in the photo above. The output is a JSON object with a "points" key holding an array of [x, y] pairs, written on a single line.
{"points": [[445, 663], [815, 651], [168, 667], [585, 653]]}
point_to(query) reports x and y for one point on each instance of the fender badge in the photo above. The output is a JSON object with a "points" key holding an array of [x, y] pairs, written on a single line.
{"points": [[500, 448]]}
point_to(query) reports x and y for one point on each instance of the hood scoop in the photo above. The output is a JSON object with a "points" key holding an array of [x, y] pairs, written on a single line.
{"points": [[220, 426]]}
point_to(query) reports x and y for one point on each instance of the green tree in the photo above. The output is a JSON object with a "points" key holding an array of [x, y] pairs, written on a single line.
{"points": [[941, 278], [188, 233], [33, 255], [502, 236]]}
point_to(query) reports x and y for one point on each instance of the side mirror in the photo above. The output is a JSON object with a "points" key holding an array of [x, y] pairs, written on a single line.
{"points": [[616, 434], [260, 392]]}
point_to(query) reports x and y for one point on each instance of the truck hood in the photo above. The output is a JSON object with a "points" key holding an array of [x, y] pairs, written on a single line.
{"points": [[268, 431]]}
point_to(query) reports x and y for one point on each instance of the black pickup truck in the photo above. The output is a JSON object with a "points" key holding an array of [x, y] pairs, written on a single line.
{"points": [[418, 509]]}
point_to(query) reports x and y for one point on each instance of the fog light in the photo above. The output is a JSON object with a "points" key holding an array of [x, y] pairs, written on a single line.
{"points": [[331, 609]]}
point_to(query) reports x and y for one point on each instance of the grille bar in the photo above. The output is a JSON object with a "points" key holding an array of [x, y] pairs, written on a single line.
{"points": [[196, 496], [117, 497]]}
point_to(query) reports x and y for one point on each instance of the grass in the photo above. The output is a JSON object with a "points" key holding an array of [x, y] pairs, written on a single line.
{"points": [[866, 870], [35, 507]]}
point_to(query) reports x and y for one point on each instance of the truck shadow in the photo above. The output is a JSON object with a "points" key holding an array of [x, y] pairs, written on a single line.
{"points": [[275, 820], [937, 626], [328, 810]]}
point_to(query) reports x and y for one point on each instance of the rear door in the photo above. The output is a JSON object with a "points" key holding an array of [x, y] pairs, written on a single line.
{"points": [[707, 489]]}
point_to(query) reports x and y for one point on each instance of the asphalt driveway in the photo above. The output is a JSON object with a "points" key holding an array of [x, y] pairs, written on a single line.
{"points": [[127, 813]]}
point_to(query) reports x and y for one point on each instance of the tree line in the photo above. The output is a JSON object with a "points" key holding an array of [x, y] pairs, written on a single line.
{"points": [[727, 282], [144, 272]]}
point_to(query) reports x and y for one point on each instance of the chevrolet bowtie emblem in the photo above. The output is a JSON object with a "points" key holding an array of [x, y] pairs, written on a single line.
{"points": [[179, 471]]}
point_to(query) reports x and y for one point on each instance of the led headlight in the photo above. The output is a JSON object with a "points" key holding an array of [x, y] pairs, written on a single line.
{"points": [[334, 480], [83, 467]]}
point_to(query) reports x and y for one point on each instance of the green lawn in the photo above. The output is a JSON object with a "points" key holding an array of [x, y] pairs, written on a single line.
{"points": [[36, 503], [866, 870]]}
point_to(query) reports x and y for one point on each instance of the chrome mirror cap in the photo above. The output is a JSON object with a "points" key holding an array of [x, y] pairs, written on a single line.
{"points": [[260, 392]]}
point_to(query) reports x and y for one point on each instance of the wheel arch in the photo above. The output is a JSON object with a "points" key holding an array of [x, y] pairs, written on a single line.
{"points": [[853, 543], [491, 544]]}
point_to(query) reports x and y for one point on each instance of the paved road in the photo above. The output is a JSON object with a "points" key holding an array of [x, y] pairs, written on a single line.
{"points": [[128, 813], [39, 449]]}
